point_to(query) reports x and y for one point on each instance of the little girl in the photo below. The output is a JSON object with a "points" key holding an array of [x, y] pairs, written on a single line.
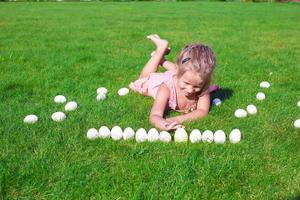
{"points": [[184, 87]]}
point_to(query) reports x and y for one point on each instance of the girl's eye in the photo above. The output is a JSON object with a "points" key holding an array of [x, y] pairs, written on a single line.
{"points": [[200, 86]]}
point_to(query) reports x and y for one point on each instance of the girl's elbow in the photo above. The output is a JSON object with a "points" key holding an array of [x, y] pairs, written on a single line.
{"points": [[202, 113], [205, 113], [152, 119]]}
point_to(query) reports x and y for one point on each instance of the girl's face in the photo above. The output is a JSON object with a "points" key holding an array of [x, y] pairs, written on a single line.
{"points": [[190, 83]]}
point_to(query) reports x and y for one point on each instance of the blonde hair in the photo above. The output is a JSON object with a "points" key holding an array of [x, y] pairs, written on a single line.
{"points": [[198, 58]]}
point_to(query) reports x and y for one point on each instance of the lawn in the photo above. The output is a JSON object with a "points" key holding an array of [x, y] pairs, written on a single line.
{"points": [[73, 48]]}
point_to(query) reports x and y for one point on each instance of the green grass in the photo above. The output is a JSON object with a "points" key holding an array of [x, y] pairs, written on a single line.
{"points": [[72, 48]]}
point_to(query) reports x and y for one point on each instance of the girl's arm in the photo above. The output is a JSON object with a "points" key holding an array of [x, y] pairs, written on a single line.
{"points": [[201, 111], [158, 109], [168, 65]]}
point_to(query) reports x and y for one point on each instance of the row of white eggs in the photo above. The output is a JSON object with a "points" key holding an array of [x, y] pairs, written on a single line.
{"points": [[141, 135]]}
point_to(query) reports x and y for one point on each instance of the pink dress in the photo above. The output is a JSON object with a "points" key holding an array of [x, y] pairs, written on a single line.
{"points": [[149, 86]]}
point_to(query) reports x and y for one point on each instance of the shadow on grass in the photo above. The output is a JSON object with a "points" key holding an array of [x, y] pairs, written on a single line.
{"points": [[223, 94], [296, 198]]}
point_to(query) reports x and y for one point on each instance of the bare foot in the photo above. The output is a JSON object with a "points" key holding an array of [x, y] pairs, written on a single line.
{"points": [[160, 44]]}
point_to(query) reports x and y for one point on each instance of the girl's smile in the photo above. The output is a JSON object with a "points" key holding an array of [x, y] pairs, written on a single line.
{"points": [[190, 83]]}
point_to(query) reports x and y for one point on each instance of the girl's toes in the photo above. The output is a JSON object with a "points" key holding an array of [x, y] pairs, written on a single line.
{"points": [[150, 37]]}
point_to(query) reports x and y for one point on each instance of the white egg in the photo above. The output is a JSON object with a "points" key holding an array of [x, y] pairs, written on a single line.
{"points": [[123, 91], [102, 90], [128, 133], [297, 123], [92, 133], [153, 135], [101, 96], [235, 136], [260, 96], [165, 137], [217, 101], [116, 133], [60, 99], [104, 132], [58, 116], [251, 109], [298, 104], [195, 136], [219, 137], [208, 136], [264, 84], [240, 113], [31, 119], [180, 135], [71, 106], [141, 135]]}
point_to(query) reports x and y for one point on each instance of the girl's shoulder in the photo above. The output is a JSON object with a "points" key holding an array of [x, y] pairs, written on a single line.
{"points": [[170, 72], [163, 87]]}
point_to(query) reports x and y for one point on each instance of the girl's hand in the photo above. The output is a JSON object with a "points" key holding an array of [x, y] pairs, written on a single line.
{"points": [[176, 119], [173, 125]]}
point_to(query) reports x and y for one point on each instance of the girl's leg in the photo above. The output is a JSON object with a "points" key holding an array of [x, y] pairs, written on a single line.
{"points": [[153, 63], [164, 63]]}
